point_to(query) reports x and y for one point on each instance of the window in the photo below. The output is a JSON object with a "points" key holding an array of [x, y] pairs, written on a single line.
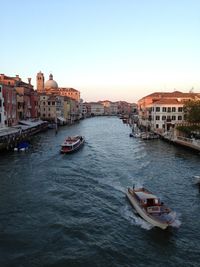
{"points": [[157, 109], [173, 109], [164, 109], [0, 102], [180, 109], [157, 126], [157, 118], [179, 118], [173, 118], [163, 118], [49, 103], [168, 109], [44, 103]]}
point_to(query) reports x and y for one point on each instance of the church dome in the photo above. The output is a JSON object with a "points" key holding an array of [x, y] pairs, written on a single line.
{"points": [[51, 83]]}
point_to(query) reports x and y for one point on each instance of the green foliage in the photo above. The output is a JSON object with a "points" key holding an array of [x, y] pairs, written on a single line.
{"points": [[192, 110]]}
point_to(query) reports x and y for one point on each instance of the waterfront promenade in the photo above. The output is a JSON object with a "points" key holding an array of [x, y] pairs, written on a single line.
{"points": [[190, 143]]}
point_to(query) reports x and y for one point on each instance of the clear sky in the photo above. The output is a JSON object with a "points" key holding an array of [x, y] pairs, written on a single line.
{"points": [[107, 49]]}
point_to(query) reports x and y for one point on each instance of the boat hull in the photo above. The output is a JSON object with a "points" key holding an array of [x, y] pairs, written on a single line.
{"points": [[146, 216]]}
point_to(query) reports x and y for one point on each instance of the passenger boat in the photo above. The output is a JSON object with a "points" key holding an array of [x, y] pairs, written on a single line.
{"points": [[150, 208], [72, 144]]}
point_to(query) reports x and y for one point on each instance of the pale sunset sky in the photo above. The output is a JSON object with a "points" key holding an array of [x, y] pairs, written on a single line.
{"points": [[106, 49]]}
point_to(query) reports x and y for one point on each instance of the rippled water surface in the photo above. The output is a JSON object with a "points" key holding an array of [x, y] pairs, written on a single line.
{"points": [[71, 210]]}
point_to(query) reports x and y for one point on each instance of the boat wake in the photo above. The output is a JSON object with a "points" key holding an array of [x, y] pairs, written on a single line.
{"points": [[177, 222], [135, 219]]}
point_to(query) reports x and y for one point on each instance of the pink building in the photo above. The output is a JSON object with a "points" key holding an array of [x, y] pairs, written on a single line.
{"points": [[26, 97], [9, 117]]}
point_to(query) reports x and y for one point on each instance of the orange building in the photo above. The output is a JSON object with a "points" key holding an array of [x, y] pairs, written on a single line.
{"points": [[70, 92]]}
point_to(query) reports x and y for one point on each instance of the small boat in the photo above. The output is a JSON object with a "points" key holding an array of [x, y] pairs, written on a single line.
{"points": [[150, 208], [149, 136], [136, 135], [72, 144], [22, 146]]}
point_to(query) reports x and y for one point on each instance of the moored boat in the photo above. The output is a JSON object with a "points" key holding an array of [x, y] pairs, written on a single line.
{"points": [[72, 144], [136, 135], [22, 146], [150, 208]]}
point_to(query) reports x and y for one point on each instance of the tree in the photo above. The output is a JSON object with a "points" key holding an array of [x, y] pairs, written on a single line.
{"points": [[192, 111]]}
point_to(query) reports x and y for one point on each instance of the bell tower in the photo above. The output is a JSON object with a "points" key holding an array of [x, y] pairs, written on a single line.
{"points": [[40, 82]]}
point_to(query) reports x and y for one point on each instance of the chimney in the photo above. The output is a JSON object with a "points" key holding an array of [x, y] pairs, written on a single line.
{"points": [[29, 80]]}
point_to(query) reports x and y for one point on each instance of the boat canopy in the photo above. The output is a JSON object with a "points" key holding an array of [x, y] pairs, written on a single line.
{"points": [[144, 195]]}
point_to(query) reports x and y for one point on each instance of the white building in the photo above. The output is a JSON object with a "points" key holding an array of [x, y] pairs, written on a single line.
{"points": [[160, 111], [97, 109], [165, 113], [113, 108]]}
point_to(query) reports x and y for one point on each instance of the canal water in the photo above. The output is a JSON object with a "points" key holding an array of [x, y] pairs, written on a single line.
{"points": [[71, 210]]}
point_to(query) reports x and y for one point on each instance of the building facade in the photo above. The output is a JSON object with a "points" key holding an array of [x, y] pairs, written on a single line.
{"points": [[97, 109], [9, 109], [2, 110], [161, 111], [40, 82], [26, 98], [70, 92]]}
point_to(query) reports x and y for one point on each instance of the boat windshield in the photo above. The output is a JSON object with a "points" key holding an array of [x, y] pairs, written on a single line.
{"points": [[148, 199]]}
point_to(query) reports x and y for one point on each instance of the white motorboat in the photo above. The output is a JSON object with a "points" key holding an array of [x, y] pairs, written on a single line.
{"points": [[150, 208]]}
